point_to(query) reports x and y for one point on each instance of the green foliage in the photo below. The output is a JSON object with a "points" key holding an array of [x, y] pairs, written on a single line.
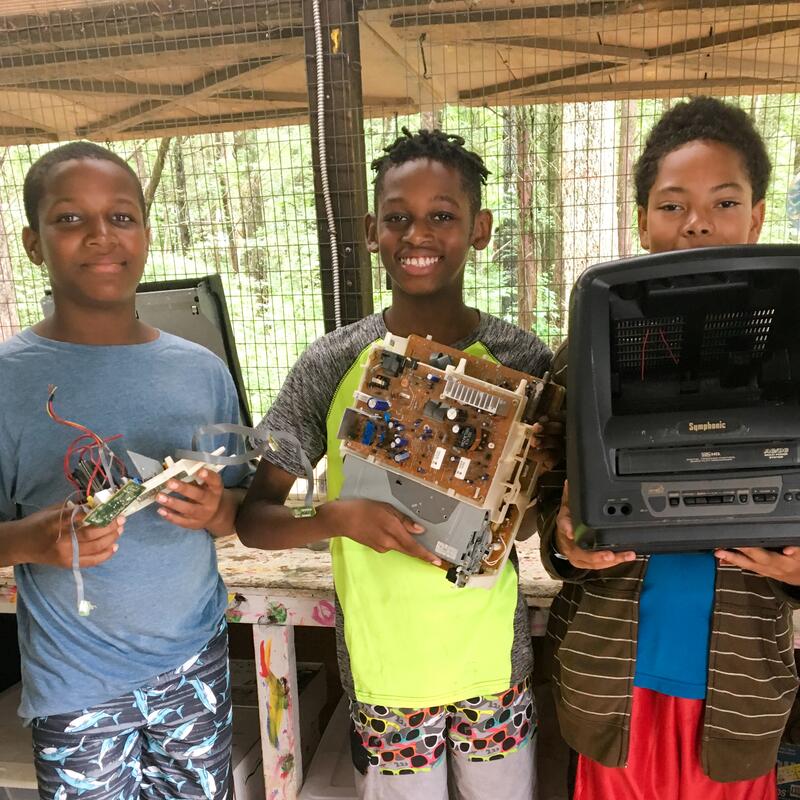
{"points": [[242, 205]]}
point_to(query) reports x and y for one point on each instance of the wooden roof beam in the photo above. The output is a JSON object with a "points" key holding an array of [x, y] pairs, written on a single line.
{"points": [[18, 61], [21, 134], [674, 87], [569, 46], [573, 10], [132, 19], [160, 127], [260, 96], [758, 30], [665, 53], [206, 85], [538, 79], [654, 6], [432, 84], [91, 86]]}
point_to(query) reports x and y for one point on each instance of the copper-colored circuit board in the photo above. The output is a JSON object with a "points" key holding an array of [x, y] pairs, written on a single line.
{"points": [[456, 422]]}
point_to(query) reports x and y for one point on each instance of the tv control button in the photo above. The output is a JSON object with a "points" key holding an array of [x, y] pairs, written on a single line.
{"points": [[657, 503]]}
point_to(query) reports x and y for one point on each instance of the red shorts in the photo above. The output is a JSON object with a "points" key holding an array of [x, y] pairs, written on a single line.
{"points": [[664, 766]]}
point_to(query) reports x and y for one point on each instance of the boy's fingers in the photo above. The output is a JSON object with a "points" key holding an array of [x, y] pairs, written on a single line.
{"points": [[98, 558], [180, 507], [407, 522], [555, 429], [90, 533], [210, 477], [411, 526], [192, 491], [595, 560], [408, 544], [95, 546]]}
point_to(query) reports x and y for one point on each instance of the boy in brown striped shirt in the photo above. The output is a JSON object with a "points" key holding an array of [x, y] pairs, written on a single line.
{"points": [[674, 674]]}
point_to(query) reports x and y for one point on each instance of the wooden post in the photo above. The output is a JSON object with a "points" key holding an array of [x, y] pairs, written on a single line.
{"points": [[278, 700], [344, 147]]}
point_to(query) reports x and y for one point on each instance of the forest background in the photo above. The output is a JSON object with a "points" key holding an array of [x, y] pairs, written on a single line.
{"points": [[241, 204]]}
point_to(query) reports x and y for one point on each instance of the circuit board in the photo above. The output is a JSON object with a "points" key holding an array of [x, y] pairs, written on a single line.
{"points": [[107, 512], [133, 496], [456, 423]]}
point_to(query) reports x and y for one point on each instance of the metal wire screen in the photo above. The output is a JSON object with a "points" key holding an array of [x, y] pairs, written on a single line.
{"points": [[208, 100]]}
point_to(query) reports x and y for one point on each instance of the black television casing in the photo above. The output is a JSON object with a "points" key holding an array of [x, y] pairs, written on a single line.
{"points": [[683, 418]]}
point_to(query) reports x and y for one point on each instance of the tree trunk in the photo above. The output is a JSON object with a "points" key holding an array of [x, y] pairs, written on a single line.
{"points": [[182, 206], [9, 317], [527, 263], [251, 202], [431, 119], [155, 175], [626, 155], [225, 196], [551, 241], [504, 237], [141, 165]]}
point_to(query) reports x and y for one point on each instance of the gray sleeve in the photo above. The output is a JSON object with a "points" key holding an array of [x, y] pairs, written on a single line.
{"points": [[302, 404], [518, 349], [530, 354]]}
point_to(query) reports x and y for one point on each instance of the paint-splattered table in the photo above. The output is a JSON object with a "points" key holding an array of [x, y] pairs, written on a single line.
{"points": [[277, 590]]}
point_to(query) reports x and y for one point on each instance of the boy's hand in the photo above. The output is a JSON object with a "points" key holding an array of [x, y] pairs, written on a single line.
{"points": [[198, 505], [381, 527], [577, 556], [49, 541], [549, 442], [783, 566]]}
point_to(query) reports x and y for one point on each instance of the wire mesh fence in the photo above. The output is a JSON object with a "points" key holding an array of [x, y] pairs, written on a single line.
{"points": [[208, 102]]}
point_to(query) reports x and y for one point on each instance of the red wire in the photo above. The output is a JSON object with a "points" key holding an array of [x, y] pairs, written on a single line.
{"points": [[90, 451], [644, 351], [664, 339], [666, 344]]}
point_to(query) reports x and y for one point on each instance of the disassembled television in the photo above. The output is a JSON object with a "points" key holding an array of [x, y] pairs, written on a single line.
{"points": [[683, 427], [445, 437]]}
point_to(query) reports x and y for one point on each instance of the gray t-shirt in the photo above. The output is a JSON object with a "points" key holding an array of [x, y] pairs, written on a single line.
{"points": [[160, 597]]}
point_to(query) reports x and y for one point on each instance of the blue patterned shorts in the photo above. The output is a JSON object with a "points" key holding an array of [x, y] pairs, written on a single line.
{"points": [[171, 738]]}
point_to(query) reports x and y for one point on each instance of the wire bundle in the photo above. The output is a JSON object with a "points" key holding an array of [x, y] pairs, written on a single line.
{"points": [[96, 462], [93, 471]]}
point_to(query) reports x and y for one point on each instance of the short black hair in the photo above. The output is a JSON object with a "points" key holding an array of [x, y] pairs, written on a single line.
{"points": [[36, 178], [446, 148], [709, 119]]}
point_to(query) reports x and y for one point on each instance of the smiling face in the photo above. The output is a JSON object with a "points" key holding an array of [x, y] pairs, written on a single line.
{"points": [[424, 226], [92, 235], [701, 197]]}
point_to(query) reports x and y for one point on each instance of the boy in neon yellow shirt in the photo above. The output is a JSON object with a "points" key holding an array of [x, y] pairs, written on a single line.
{"points": [[434, 674]]}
